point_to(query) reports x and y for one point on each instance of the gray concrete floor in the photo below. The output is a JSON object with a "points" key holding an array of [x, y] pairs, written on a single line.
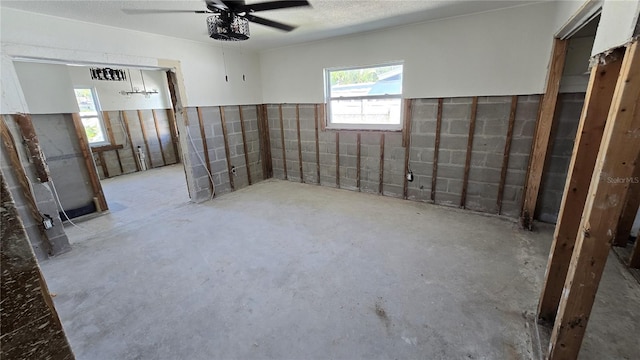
{"points": [[282, 270]]}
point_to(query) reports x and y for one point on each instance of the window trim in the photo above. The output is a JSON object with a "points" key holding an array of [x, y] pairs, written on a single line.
{"points": [[96, 102], [368, 127]]}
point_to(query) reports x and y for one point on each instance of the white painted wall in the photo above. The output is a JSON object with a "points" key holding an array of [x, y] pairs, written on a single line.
{"points": [[618, 21], [35, 35], [502, 52], [47, 88], [109, 91], [575, 77]]}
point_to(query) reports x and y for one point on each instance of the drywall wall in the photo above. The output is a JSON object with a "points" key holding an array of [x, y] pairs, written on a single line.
{"points": [[494, 53], [109, 91], [617, 24], [47, 88], [203, 64], [575, 77]]}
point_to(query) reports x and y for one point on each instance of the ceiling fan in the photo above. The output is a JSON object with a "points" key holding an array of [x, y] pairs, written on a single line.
{"points": [[230, 19]]}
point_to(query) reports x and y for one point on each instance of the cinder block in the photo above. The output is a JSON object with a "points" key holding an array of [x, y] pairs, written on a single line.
{"points": [[455, 111], [422, 141], [457, 127], [453, 142]]}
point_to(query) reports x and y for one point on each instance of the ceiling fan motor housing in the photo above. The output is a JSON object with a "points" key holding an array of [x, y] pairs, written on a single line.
{"points": [[228, 26]]}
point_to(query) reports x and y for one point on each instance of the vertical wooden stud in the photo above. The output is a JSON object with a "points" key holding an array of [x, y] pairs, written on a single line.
{"points": [[144, 136], [205, 146], [358, 161], [30, 138], [630, 209], [436, 150], [338, 159], [598, 98], [467, 164], [155, 123], [543, 132], [227, 153], [507, 150], [315, 113], [244, 145], [128, 131], [406, 142], [173, 130], [90, 164], [299, 142], [284, 150]]}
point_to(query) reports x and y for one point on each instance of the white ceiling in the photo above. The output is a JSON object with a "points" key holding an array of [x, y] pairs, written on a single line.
{"points": [[326, 18]]}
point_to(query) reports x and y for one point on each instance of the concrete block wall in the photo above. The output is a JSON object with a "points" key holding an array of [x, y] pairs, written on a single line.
{"points": [[212, 125], [492, 120], [563, 135], [43, 195]]}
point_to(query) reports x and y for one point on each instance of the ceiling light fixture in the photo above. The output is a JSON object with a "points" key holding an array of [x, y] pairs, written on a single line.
{"points": [[227, 26], [136, 90]]}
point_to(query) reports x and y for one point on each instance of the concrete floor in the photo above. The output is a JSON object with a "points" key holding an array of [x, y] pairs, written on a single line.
{"points": [[282, 270]]}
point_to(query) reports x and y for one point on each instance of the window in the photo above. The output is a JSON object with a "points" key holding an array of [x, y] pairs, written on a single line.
{"points": [[365, 97], [90, 115]]}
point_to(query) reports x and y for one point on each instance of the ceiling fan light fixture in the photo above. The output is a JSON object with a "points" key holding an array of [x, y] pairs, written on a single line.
{"points": [[228, 27]]}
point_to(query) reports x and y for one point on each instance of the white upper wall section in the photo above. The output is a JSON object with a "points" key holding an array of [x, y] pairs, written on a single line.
{"points": [[47, 88], [502, 52], [109, 91], [25, 34], [618, 21]]}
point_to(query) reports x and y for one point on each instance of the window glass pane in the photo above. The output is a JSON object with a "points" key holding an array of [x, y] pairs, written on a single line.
{"points": [[366, 111], [382, 80], [85, 101], [93, 129]]}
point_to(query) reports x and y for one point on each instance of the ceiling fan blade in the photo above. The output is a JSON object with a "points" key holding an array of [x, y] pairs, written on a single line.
{"points": [[214, 5], [273, 5], [234, 4], [158, 11], [268, 22]]}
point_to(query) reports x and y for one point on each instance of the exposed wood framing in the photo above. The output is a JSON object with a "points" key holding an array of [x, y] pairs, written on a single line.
{"points": [[358, 161], [205, 146], [30, 138], [299, 142], [507, 150], [338, 159], [380, 184], [97, 149], [23, 180], [436, 150], [90, 164], [315, 114], [244, 144], [103, 164], [173, 130], [133, 149], [227, 153], [600, 90], [543, 132], [323, 117], [634, 259], [155, 124], [107, 124], [467, 164], [406, 142], [144, 136], [284, 150], [630, 209], [618, 151], [265, 142]]}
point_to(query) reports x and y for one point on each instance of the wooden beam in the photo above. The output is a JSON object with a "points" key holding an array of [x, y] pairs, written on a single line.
{"points": [[265, 142], [244, 145], [507, 150], [406, 142], [543, 132], [205, 146], [133, 150], [358, 161], [226, 148], [600, 90], [30, 139], [338, 159], [436, 150], [323, 117], [630, 209], [618, 151], [97, 149], [90, 164], [634, 259], [23, 181], [380, 184], [145, 138], [284, 151], [173, 130], [155, 124], [315, 113], [107, 124], [299, 142], [467, 164]]}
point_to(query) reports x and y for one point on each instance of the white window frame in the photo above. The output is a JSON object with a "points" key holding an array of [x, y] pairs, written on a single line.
{"points": [[96, 102], [382, 127]]}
